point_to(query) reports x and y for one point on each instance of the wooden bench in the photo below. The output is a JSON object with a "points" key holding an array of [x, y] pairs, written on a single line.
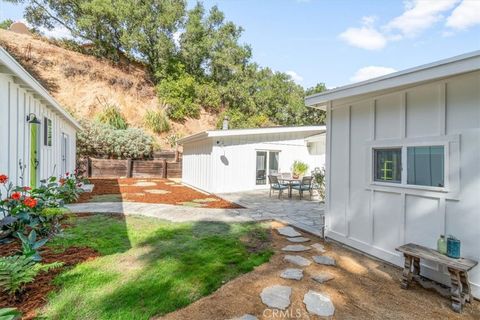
{"points": [[460, 292]]}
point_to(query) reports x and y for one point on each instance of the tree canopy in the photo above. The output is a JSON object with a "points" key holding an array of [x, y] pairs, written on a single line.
{"points": [[195, 57]]}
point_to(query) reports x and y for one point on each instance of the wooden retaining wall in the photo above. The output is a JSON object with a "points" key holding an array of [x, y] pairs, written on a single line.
{"points": [[112, 168]]}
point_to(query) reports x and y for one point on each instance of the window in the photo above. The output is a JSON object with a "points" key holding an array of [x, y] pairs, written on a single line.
{"points": [[388, 165], [47, 132], [266, 163], [425, 166]]}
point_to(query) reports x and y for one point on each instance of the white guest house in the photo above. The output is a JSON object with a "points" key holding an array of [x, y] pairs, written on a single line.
{"points": [[37, 136], [221, 161], [403, 161]]}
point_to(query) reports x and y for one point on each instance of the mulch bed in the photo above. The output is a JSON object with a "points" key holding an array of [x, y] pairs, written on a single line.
{"points": [[35, 293], [151, 190]]}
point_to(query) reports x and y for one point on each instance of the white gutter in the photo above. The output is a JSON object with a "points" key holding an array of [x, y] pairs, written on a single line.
{"points": [[440, 69], [11, 64]]}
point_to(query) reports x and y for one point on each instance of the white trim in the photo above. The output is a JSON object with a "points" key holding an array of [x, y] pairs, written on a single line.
{"points": [[444, 68], [29, 81], [306, 130]]}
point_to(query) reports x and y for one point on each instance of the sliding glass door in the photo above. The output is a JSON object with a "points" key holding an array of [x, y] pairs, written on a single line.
{"points": [[266, 163]]}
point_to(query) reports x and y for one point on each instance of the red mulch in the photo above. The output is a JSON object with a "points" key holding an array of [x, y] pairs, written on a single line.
{"points": [[177, 194], [35, 293]]}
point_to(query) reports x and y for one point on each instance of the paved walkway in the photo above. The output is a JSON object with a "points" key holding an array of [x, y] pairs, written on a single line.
{"points": [[303, 214]]}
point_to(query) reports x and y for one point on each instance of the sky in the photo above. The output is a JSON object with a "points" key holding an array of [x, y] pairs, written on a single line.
{"points": [[339, 42]]}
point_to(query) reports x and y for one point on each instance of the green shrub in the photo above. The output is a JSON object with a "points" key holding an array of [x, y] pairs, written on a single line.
{"points": [[208, 96], [319, 181], [180, 96], [299, 168], [102, 141], [10, 314], [30, 245], [239, 120], [157, 121], [112, 116], [17, 271]]}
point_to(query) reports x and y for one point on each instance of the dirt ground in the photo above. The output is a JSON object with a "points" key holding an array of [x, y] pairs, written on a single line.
{"points": [[151, 190], [35, 294], [363, 288]]}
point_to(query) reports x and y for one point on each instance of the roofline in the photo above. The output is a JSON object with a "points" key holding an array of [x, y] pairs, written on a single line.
{"points": [[463, 63], [25, 78], [245, 132]]}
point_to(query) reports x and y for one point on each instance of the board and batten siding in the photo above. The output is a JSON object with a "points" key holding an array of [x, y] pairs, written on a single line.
{"points": [[228, 164], [377, 218], [15, 104]]}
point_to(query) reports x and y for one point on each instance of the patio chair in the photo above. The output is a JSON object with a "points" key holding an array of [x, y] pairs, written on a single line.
{"points": [[305, 185], [276, 185]]}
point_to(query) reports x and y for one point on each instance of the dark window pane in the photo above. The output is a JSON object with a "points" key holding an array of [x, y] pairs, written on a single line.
{"points": [[388, 165], [261, 171], [425, 166]]}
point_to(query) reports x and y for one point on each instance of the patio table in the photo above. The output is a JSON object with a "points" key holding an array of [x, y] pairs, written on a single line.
{"points": [[290, 182]]}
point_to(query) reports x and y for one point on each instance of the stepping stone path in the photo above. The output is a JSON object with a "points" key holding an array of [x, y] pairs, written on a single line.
{"points": [[324, 260], [298, 239], [323, 277], [289, 232], [276, 296], [157, 191], [293, 274], [296, 248], [298, 260], [319, 247], [318, 304], [245, 317], [144, 184]]}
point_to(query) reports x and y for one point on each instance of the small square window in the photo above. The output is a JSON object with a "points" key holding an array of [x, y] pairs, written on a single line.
{"points": [[47, 132], [388, 165], [425, 166]]}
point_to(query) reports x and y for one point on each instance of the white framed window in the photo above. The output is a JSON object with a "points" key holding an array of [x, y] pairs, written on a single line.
{"points": [[267, 162], [415, 163], [47, 132]]}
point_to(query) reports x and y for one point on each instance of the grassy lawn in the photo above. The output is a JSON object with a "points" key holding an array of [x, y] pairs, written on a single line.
{"points": [[149, 266]]}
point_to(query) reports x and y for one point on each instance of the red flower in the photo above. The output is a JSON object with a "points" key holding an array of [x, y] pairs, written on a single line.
{"points": [[62, 181], [3, 178], [30, 202], [16, 195], [27, 188]]}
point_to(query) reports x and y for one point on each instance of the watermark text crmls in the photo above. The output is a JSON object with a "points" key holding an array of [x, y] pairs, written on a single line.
{"points": [[285, 314]]}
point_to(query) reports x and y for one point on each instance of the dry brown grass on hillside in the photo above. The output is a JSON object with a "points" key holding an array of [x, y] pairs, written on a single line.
{"points": [[83, 84]]}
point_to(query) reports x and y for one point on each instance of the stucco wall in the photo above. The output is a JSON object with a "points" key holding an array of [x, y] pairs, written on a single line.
{"points": [[375, 217]]}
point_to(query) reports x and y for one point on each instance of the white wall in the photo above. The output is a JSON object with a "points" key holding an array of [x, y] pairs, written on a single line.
{"points": [[15, 104], [229, 166], [378, 218]]}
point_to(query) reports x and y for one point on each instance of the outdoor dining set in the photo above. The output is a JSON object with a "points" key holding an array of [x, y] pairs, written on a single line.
{"points": [[285, 181]]}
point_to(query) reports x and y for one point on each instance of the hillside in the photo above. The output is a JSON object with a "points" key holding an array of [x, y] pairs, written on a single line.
{"points": [[84, 84]]}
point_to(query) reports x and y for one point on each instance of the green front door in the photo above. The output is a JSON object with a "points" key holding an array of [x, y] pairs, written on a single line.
{"points": [[33, 155]]}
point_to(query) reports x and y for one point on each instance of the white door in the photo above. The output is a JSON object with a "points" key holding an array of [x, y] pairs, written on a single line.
{"points": [[266, 163]]}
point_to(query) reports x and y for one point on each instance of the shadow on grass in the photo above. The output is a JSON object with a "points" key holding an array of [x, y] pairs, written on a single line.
{"points": [[167, 266]]}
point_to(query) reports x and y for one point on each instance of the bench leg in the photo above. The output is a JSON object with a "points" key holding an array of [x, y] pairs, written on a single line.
{"points": [[456, 290], [407, 272], [466, 292], [416, 266]]}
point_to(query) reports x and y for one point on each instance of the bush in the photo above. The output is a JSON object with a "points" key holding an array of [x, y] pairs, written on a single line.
{"points": [[156, 121], [208, 97], [112, 116], [30, 245], [239, 120], [10, 314], [180, 96], [299, 168], [319, 181], [17, 271], [102, 141]]}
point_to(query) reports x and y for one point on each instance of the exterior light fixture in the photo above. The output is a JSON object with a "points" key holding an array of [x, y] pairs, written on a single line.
{"points": [[32, 119]]}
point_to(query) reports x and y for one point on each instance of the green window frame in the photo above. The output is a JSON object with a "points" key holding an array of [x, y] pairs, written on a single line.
{"points": [[388, 165]]}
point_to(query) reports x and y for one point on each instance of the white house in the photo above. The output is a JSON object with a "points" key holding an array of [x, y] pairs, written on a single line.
{"points": [[241, 159], [37, 136], [403, 160]]}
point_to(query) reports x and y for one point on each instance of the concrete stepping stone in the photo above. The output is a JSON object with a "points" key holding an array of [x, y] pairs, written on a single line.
{"points": [[144, 184], [323, 277], [318, 304], [324, 260], [157, 191], [289, 232], [298, 239], [292, 273], [276, 296], [298, 260], [296, 248], [319, 247], [245, 317]]}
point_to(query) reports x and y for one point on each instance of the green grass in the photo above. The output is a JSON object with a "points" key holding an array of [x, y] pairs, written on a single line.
{"points": [[150, 267]]}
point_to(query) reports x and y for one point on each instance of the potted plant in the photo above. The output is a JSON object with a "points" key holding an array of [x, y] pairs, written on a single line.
{"points": [[298, 169]]}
